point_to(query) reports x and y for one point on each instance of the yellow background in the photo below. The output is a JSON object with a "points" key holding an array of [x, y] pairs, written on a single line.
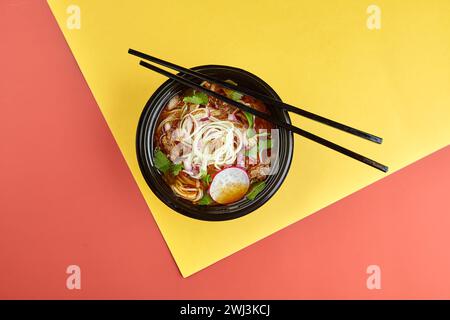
{"points": [[394, 82]]}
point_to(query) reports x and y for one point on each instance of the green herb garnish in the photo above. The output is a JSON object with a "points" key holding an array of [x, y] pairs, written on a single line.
{"points": [[197, 98], [236, 96], [249, 117], [264, 144], [252, 153], [206, 200], [176, 168], [251, 133], [231, 82], [206, 178], [162, 163], [255, 190]]}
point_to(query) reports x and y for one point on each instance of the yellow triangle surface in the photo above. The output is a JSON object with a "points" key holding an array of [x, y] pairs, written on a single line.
{"points": [[393, 81]]}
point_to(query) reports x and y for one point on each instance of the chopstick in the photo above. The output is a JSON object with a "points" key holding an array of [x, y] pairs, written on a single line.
{"points": [[259, 96], [267, 117]]}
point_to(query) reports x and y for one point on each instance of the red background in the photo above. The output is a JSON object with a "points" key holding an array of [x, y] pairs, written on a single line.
{"points": [[67, 197]]}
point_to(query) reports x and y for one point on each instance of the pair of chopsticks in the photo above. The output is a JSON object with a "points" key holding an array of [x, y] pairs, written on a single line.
{"points": [[266, 100]]}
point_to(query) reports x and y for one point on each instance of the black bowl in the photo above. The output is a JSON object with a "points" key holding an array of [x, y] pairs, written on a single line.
{"points": [[145, 148]]}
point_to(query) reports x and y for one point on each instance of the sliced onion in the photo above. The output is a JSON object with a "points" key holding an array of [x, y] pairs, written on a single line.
{"points": [[187, 164], [173, 103], [240, 159], [167, 126]]}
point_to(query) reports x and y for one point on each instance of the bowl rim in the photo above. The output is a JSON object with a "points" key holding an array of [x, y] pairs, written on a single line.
{"points": [[155, 105]]}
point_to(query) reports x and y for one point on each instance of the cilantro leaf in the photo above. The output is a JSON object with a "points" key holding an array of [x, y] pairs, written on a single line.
{"points": [[256, 189], [162, 163], [176, 168], [206, 200], [206, 178], [197, 98]]}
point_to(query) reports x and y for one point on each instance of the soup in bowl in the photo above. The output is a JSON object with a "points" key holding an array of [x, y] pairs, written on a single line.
{"points": [[207, 159]]}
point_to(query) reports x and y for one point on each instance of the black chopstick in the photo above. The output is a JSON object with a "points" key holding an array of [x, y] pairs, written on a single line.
{"points": [[259, 96], [267, 117]]}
